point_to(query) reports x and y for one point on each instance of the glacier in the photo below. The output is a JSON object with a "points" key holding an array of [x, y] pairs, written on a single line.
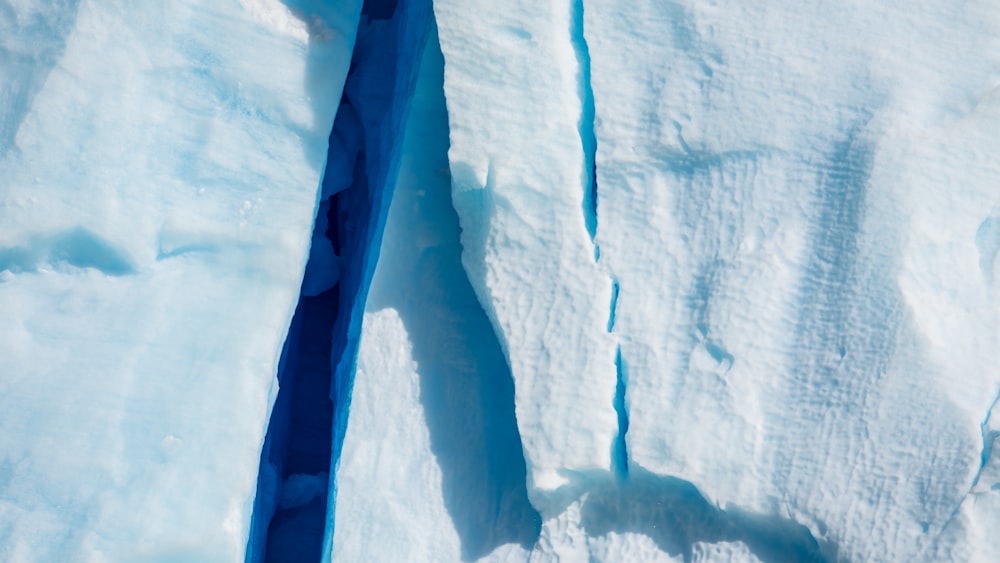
{"points": [[441, 280]]}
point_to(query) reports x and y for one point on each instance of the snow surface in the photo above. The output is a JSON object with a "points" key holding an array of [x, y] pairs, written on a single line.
{"points": [[159, 167]]}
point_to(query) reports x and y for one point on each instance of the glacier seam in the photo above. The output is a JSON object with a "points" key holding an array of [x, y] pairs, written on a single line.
{"points": [[588, 141]]}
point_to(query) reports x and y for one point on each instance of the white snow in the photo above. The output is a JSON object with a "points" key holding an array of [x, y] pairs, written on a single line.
{"points": [[390, 505], [798, 203]]}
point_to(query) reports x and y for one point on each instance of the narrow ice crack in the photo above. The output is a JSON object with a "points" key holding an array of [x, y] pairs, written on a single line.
{"points": [[988, 437], [588, 140], [615, 289], [619, 452], [588, 137]]}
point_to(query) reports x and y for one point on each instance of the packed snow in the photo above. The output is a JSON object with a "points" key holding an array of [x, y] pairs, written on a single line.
{"points": [[670, 280]]}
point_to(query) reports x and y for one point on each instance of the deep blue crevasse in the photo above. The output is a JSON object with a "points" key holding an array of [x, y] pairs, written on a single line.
{"points": [[315, 374], [588, 135]]}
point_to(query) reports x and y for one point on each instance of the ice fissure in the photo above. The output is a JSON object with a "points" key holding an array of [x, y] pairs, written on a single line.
{"points": [[588, 137], [761, 323], [619, 453], [296, 487], [989, 434]]}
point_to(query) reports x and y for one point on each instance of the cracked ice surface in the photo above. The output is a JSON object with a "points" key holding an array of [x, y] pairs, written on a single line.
{"points": [[158, 175], [799, 206], [807, 319]]}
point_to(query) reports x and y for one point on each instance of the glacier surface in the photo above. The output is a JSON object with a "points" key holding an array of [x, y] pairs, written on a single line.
{"points": [[674, 280]]}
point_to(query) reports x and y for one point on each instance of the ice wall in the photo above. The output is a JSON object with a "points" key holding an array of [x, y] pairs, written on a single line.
{"points": [[307, 428], [159, 166], [432, 467]]}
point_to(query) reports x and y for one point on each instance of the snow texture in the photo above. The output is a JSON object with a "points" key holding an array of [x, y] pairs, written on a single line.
{"points": [[791, 207], [796, 208]]}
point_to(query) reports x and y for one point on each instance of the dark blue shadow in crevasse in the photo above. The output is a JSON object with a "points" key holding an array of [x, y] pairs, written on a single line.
{"points": [[315, 374]]}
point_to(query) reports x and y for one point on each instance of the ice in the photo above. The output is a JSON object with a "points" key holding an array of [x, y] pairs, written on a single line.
{"points": [[316, 373], [802, 311], [159, 167], [769, 229], [672, 280]]}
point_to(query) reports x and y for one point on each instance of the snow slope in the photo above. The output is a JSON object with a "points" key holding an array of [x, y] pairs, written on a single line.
{"points": [[159, 167]]}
